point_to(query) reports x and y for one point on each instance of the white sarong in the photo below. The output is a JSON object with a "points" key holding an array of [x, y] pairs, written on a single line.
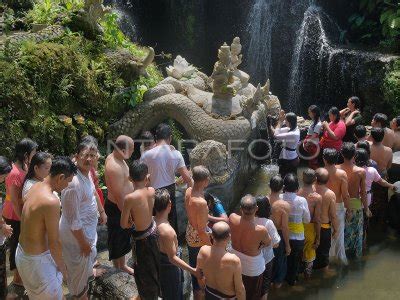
{"points": [[337, 251], [42, 280], [252, 266]]}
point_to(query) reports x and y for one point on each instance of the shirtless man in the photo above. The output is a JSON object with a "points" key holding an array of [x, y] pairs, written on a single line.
{"points": [[395, 126], [247, 241], [137, 212], [280, 216], [353, 238], [383, 156], [116, 175], [312, 229], [380, 121], [221, 269], [39, 253], [197, 212], [338, 184], [328, 219], [171, 265]]}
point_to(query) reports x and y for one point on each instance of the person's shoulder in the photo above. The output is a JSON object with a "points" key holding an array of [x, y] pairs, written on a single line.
{"points": [[165, 230], [233, 259]]}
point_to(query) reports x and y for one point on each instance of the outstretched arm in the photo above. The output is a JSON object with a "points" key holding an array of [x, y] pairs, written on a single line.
{"points": [[126, 218]]}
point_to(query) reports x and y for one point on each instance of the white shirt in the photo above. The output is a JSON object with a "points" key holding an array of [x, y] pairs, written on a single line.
{"points": [[290, 140], [162, 163], [299, 213], [27, 186], [371, 175], [268, 252], [315, 130]]}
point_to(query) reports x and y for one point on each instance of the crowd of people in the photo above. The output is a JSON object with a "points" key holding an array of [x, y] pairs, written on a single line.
{"points": [[54, 204]]}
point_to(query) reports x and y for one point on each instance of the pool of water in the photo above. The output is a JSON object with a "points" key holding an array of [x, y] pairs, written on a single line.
{"points": [[375, 276]]}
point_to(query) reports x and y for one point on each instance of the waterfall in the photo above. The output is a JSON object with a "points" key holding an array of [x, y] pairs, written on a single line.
{"points": [[260, 24], [126, 20]]}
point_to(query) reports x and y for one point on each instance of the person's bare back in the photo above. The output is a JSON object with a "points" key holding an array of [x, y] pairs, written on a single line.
{"points": [[338, 183], [328, 206], [314, 201], [41, 210], [355, 177], [396, 142], [280, 211], [383, 156], [138, 209], [197, 212]]}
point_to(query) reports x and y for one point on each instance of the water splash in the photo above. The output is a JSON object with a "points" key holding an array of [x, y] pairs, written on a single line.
{"points": [[125, 20], [261, 21]]}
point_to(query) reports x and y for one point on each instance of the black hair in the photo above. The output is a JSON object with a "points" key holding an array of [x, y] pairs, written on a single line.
{"points": [[322, 176], [264, 207], [330, 155], [377, 134], [147, 138], [362, 158], [86, 144], [163, 132], [138, 171], [292, 120], [276, 183], [37, 160], [209, 198], [161, 200], [317, 114], [24, 148], [63, 165], [335, 111], [348, 150], [356, 102], [397, 121], [360, 131], [381, 118], [290, 183], [5, 166], [364, 145], [308, 176], [200, 173]]}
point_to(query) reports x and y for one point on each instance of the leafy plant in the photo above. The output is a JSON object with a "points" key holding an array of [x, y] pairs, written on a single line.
{"points": [[49, 11]]}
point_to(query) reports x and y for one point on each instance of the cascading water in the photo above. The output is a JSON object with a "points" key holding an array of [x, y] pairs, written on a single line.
{"points": [[126, 21]]}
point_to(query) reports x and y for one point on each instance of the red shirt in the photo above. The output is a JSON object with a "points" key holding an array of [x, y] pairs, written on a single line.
{"points": [[16, 178], [339, 129]]}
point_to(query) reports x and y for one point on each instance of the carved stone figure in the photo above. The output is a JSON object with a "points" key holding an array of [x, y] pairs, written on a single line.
{"points": [[181, 68]]}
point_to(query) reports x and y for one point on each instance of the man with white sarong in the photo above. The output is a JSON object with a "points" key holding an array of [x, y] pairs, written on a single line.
{"points": [[78, 223], [38, 256]]}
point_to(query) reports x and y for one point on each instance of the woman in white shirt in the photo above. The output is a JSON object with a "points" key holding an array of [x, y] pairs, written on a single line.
{"points": [[290, 137], [39, 169]]}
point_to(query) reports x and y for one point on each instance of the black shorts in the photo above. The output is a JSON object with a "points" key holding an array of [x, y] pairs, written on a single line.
{"points": [[13, 240], [119, 240]]}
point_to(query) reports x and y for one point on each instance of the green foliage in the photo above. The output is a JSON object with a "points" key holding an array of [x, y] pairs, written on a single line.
{"points": [[9, 20], [53, 11], [391, 88], [177, 135], [377, 21]]}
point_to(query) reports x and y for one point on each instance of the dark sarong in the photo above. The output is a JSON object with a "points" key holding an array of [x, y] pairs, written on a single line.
{"points": [[213, 294], [287, 166], [3, 271], [13, 240], [171, 279], [193, 252], [379, 204], [172, 217], [267, 277], [147, 268], [253, 286], [322, 258], [118, 239], [280, 261], [294, 260]]}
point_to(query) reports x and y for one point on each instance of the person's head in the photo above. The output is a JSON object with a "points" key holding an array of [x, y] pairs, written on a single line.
{"points": [[330, 156], [314, 113], [210, 200], [5, 168], [39, 167], [139, 172], [362, 158], [164, 132], [354, 103], [379, 120], [147, 139], [360, 132], [264, 207], [364, 145], [348, 151], [291, 121], [276, 184], [90, 138], [86, 156], [334, 114], [322, 176], [248, 205], [162, 202], [201, 176], [124, 146], [377, 134], [24, 151], [220, 233], [290, 183], [61, 172], [395, 123], [308, 176]]}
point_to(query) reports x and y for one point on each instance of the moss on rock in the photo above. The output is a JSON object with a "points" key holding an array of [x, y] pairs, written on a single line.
{"points": [[391, 88]]}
